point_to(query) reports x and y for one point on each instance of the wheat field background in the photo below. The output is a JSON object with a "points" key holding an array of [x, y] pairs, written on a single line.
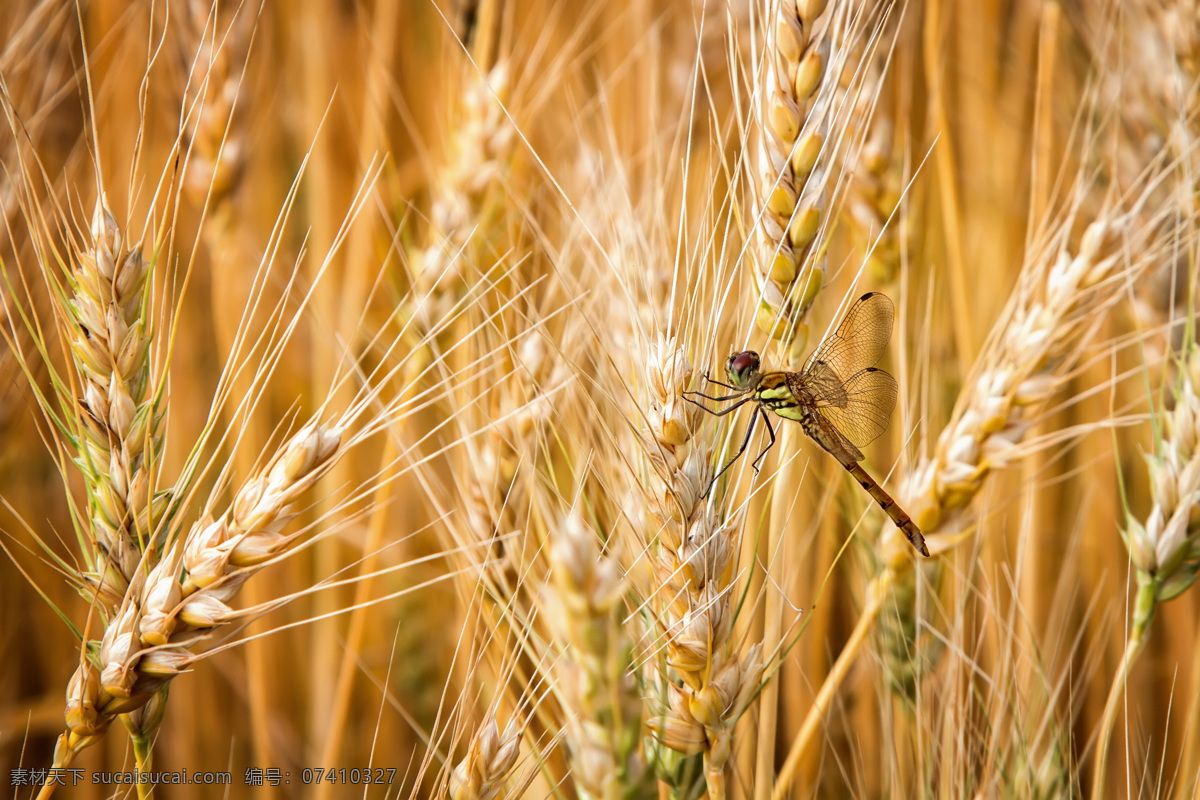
{"points": [[343, 416]]}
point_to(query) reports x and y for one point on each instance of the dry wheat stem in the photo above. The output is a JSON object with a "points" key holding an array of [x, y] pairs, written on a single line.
{"points": [[877, 595], [1143, 614]]}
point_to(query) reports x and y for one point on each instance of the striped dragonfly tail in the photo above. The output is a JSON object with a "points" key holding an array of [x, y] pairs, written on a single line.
{"points": [[890, 507]]}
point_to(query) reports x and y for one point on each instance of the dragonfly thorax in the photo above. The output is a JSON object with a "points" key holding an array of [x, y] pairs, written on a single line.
{"points": [[781, 393]]}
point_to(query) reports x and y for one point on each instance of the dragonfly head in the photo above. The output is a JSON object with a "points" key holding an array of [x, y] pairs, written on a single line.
{"points": [[742, 370]]}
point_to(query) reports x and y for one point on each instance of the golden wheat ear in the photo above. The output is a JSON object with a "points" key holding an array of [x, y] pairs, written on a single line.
{"points": [[795, 100], [702, 680]]}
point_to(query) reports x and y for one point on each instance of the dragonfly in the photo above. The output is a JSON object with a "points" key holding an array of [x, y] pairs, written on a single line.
{"points": [[841, 400]]}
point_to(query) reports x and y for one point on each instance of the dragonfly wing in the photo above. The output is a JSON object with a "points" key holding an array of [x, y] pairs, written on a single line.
{"points": [[825, 434], [863, 407], [821, 383], [859, 341], [825, 393]]}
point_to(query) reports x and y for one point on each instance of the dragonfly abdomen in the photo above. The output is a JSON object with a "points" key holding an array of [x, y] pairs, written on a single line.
{"points": [[889, 506]]}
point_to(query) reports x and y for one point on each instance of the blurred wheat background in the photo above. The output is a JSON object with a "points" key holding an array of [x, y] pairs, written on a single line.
{"points": [[342, 396]]}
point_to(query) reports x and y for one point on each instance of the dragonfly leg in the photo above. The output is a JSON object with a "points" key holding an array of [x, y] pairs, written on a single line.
{"points": [[724, 411], [718, 383], [770, 431], [736, 456]]}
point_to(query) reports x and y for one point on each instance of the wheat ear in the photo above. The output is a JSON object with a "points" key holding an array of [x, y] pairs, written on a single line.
{"points": [[705, 684], [185, 597], [1149, 82], [795, 98], [115, 411], [115, 426], [876, 222], [1165, 548], [216, 151], [595, 671], [467, 215], [791, 197]]}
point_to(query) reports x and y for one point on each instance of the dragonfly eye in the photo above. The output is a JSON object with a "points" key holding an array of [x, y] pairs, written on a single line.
{"points": [[742, 369]]}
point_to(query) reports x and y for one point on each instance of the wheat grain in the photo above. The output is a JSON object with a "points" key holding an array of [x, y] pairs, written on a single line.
{"points": [[482, 773]]}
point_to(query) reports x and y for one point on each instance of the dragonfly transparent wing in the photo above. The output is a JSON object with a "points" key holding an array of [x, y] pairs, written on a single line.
{"points": [[865, 406], [855, 398], [858, 342]]}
